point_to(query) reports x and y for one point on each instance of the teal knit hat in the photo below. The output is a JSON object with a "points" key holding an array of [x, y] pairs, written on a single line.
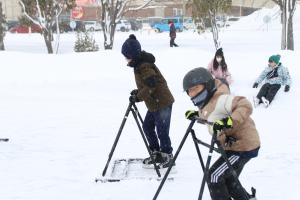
{"points": [[275, 59]]}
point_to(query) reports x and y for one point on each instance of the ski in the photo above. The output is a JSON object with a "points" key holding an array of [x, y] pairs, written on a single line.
{"points": [[130, 169], [112, 180]]}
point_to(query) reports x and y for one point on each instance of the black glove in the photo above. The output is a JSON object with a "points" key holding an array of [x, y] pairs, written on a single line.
{"points": [[287, 88], [134, 99], [222, 124], [134, 92], [190, 114], [255, 85]]}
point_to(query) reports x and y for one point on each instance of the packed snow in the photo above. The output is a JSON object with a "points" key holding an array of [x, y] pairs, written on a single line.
{"points": [[62, 113]]}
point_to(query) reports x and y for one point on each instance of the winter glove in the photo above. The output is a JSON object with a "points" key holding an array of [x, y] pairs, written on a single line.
{"points": [[190, 114], [287, 88], [255, 85], [222, 124], [134, 99], [134, 92]]}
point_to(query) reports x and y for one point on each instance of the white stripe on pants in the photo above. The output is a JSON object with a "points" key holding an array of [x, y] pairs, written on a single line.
{"points": [[222, 168]]}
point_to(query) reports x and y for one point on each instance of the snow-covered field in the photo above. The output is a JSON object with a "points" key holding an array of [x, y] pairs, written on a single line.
{"points": [[62, 113]]}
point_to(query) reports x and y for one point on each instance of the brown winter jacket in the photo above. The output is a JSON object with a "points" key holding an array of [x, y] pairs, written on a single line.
{"points": [[152, 87], [221, 105]]}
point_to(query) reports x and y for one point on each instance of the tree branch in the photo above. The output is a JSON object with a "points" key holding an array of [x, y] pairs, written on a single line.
{"points": [[26, 14]]}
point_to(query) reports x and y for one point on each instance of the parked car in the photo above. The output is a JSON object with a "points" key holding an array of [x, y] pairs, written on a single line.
{"points": [[188, 24], [231, 20], [92, 26], [163, 25], [64, 27], [11, 23], [80, 27], [135, 25], [25, 29], [123, 25]]}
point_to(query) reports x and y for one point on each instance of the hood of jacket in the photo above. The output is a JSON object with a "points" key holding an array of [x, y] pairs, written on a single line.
{"points": [[143, 57]]}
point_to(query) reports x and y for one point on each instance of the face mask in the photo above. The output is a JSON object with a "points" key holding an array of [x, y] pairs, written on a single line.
{"points": [[200, 98], [219, 59]]}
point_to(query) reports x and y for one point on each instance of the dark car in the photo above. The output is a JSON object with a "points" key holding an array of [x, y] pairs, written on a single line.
{"points": [[11, 23], [135, 25]]}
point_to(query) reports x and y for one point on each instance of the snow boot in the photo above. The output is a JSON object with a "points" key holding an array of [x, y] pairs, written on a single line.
{"points": [[253, 195], [256, 101], [265, 102], [156, 156], [167, 159]]}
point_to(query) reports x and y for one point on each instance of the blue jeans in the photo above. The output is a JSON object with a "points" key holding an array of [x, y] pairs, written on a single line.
{"points": [[160, 120]]}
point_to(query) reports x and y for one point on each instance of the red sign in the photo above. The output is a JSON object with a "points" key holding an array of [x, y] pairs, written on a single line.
{"points": [[77, 12]]}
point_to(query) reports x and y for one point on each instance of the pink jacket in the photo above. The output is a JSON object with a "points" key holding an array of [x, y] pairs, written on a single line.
{"points": [[219, 73]]}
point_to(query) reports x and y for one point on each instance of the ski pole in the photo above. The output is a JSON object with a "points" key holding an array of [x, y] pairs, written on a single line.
{"points": [[134, 112], [214, 137], [175, 157], [117, 138]]}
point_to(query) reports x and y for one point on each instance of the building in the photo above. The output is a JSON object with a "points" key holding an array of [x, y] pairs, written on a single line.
{"points": [[11, 9], [90, 10], [167, 8], [246, 7]]}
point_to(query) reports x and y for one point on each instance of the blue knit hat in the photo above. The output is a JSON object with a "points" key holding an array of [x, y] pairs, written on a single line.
{"points": [[131, 47], [275, 59]]}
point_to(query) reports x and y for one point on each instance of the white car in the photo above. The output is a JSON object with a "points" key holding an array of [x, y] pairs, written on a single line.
{"points": [[92, 26], [123, 25]]}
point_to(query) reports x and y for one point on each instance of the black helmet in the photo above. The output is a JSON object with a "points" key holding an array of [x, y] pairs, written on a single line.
{"points": [[198, 76]]}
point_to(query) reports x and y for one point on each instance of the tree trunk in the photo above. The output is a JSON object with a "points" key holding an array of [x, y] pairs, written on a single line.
{"points": [[290, 34], [1, 29], [284, 25], [48, 41], [109, 34], [215, 30], [2, 48], [111, 13]]}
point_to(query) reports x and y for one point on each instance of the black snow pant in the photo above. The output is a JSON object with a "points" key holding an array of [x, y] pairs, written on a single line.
{"points": [[172, 42], [268, 91], [221, 183]]}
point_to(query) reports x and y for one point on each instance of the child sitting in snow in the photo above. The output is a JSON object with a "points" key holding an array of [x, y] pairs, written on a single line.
{"points": [[274, 75], [218, 67]]}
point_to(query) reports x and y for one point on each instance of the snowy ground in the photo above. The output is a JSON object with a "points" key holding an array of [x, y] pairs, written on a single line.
{"points": [[62, 112]]}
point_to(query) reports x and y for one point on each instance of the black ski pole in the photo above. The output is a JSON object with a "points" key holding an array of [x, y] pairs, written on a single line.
{"points": [[117, 138], [134, 112], [138, 113], [213, 140], [175, 157], [197, 149]]}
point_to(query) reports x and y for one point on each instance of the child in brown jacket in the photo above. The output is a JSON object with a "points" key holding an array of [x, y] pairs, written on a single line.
{"points": [[231, 118]]}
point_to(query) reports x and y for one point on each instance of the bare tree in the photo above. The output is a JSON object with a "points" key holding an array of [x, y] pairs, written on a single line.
{"points": [[45, 13], [112, 12], [287, 8], [2, 28], [203, 9]]}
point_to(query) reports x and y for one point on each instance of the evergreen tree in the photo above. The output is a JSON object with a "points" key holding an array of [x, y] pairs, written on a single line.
{"points": [[85, 42]]}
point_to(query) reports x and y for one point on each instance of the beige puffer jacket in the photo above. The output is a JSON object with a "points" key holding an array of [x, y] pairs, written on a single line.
{"points": [[223, 104]]}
